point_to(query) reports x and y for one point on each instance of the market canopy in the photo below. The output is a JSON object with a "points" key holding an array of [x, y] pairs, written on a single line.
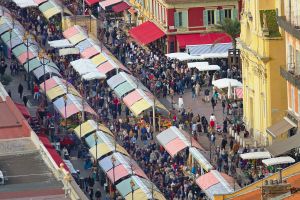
{"points": [[53, 82], [99, 59], [238, 93], [183, 56], [255, 155], [281, 127], [143, 189], [73, 106], [278, 161], [146, 33], [8, 23], [75, 34], [60, 43], [201, 39], [281, 147], [225, 82], [84, 66], [121, 7], [210, 50], [28, 3], [199, 157], [90, 51], [141, 100], [36, 63], [61, 90], [107, 3], [89, 42], [174, 140], [39, 72], [215, 182], [203, 66], [90, 126], [91, 2], [95, 75], [53, 7], [106, 148], [110, 65]]}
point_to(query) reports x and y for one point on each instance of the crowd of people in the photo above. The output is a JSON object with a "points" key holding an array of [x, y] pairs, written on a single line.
{"points": [[163, 77]]}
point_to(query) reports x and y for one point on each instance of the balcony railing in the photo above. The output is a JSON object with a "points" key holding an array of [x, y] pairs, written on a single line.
{"points": [[288, 26], [290, 77]]}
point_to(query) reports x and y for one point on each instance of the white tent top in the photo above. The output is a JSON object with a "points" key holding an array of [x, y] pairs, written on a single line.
{"points": [[278, 160], [68, 51], [84, 66], [225, 82], [203, 66], [25, 3], [210, 50], [197, 155], [60, 43], [93, 76], [183, 56], [255, 155]]}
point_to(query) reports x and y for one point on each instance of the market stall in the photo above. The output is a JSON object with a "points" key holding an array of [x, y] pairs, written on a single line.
{"points": [[255, 155], [215, 182], [226, 82], [28, 3], [203, 66], [86, 69], [90, 126], [61, 90], [183, 56], [75, 34], [51, 71], [52, 8], [106, 148], [278, 161]]}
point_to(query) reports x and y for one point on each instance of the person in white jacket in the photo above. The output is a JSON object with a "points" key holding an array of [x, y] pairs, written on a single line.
{"points": [[180, 103]]}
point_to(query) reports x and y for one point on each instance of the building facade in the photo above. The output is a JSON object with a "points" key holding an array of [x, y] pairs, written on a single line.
{"points": [[262, 52], [185, 17]]}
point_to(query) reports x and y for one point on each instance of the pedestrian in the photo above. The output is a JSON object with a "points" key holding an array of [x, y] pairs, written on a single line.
{"points": [[206, 95], [20, 90], [25, 100], [212, 121], [180, 103], [193, 92], [213, 103], [223, 105], [9, 93], [91, 193], [98, 194], [36, 92]]}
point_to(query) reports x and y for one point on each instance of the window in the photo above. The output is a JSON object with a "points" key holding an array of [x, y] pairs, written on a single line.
{"points": [[227, 13], [293, 98], [210, 17], [180, 19]]}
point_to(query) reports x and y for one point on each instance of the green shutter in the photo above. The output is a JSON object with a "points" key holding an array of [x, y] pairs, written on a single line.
{"points": [[205, 18], [185, 19], [222, 15], [176, 19], [234, 14], [217, 16]]}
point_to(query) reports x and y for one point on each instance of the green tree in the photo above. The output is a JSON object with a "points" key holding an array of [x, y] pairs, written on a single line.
{"points": [[232, 28]]}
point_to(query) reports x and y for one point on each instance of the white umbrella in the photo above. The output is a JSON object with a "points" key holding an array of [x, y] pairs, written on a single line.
{"points": [[94, 76], [229, 91]]}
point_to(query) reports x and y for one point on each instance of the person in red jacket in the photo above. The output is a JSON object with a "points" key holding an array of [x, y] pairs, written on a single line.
{"points": [[36, 92]]}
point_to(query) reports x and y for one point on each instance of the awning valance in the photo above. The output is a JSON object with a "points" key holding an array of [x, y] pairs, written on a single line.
{"points": [[255, 155], [199, 39], [278, 160], [120, 7], [91, 2], [174, 140], [107, 3], [146, 33], [210, 50], [281, 147], [281, 127], [215, 182]]}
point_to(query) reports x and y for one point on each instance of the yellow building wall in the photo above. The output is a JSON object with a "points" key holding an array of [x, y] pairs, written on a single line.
{"points": [[264, 88]]}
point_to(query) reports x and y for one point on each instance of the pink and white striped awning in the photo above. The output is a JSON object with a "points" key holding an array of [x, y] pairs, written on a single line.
{"points": [[238, 93]]}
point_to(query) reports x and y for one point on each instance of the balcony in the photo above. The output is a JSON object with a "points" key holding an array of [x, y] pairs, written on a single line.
{"points": [[288, 27], [290, 77]]}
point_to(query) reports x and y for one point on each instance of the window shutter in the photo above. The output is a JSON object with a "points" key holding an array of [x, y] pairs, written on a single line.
{"points": [[234, 14], [205, 18], [185, 19], [222, 15], [217, 16], [176, 19]]}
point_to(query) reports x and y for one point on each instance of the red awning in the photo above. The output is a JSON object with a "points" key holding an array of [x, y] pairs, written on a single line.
{"points": [[23, 110], [196, 39], [146, 33], [92, 2], [120, 7]]}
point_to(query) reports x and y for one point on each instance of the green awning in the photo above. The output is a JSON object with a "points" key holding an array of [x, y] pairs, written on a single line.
{"points": [[124, 187], [123, 89], [45, 6], [35, 63], [6, 36], [19, 50]]}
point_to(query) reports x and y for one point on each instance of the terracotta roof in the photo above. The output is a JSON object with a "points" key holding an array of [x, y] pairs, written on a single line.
{"points": [[295, 196]]}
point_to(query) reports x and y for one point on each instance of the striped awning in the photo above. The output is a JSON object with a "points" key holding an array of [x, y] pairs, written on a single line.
{"points": [[53, 7], [209, 50]]}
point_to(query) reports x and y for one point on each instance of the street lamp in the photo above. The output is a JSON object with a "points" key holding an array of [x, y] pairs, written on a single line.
{"points": [[65, 101], [132, 188], [44, 62], [26, 40], [113, 160], [96, 143]]}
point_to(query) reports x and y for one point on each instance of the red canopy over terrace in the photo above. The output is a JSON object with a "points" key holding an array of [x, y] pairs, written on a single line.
{"points": [[146, 33]]}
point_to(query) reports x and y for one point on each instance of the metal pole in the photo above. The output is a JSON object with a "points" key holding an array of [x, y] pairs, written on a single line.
{"points": [[83, 7], [114, 180], [132, 193], [45, 81], [153, 113], [27, 46], [65, 116]]}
